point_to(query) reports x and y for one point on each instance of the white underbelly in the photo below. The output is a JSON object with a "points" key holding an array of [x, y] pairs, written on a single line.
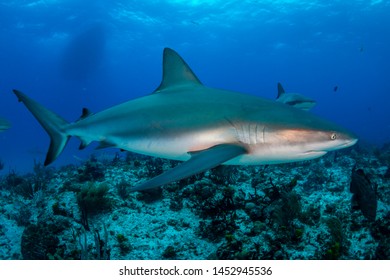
{"points": [[176, 148]]}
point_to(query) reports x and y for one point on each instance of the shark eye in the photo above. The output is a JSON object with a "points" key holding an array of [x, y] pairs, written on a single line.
{"points": [[333, 136]]}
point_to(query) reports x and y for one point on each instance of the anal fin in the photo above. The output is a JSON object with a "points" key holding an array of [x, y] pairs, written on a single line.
{"points": [[199, 162]]}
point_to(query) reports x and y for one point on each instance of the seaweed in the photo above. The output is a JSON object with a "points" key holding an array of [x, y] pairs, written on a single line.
{"points": [[387, 173], [12, 179], [338, 243], [223, 175], [29, 188], [123, 189], [123, 244], [170, 252], [60, 209], [230, 249], [380, 231], [216, 206], [40, 241], [92, 199], [364, 194], [91, 171], [98, 251]]}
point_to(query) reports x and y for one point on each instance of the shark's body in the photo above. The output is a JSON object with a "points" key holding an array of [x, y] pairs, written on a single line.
{"points": [[205, 127], [4, 124], [294, 99]]}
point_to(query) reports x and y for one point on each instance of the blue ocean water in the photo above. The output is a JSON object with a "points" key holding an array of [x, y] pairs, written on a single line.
{"points": [[72, 54]]}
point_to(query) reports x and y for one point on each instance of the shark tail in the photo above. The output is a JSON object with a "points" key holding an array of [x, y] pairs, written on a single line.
{"points": [[54, 125]]}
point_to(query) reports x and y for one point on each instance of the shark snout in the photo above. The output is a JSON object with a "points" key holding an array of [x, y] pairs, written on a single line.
{"points": [[346, 139], [350, 142]]}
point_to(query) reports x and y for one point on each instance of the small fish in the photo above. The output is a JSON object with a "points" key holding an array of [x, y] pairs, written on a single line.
{"points": [[4, 124], [364, 194], [335, 88]]}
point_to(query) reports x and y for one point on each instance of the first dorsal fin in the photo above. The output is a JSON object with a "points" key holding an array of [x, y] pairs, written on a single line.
{"points": [[176, 71], [281, 90]]}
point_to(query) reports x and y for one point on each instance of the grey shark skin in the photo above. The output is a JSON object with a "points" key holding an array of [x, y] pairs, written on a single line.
{"points": [[205, 127], [294, 99], [4, 124]]}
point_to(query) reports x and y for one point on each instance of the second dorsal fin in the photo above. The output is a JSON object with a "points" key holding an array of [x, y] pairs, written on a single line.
{"points": [[85, 113]]}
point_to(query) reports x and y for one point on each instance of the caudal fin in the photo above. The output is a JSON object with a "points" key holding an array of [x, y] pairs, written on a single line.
{"points": [[51, 122]]}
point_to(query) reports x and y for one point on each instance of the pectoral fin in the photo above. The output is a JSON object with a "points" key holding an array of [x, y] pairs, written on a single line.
{"points": [[199, 162]]}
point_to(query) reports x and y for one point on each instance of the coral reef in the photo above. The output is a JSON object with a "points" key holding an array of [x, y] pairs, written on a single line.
{"points": [[302, 210]]}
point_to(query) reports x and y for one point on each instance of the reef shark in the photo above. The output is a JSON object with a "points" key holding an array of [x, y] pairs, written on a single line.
{"points": [[294, 99], [202, 126], [4, 124]]}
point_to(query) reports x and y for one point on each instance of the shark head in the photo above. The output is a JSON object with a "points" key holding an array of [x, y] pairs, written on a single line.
{"points": [[299, 136]]}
